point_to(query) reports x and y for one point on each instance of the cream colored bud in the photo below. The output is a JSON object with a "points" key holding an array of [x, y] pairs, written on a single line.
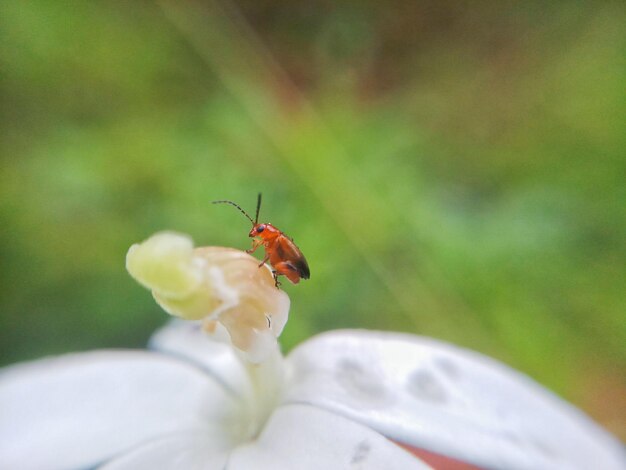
{"points": [[214, 284]]}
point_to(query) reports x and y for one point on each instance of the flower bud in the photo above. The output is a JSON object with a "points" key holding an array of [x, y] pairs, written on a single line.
{"points": [[224, 287]]}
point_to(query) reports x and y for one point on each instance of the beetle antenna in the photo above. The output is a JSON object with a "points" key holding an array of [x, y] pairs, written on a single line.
{"points": [[240, 209], [258, 207]]}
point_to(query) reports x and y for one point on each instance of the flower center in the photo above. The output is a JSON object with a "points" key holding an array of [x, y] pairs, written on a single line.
{"points": [[260, 399]]}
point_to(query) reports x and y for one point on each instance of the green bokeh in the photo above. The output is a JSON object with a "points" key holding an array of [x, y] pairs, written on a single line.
{"points": [[449, 169]]}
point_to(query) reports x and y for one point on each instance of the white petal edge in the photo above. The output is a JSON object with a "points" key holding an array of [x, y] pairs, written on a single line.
{"points": [[78, 410], [308, 438], [447, 400]]}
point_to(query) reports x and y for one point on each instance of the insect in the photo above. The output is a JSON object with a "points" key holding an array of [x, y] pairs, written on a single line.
{"points": [[284, 256]]}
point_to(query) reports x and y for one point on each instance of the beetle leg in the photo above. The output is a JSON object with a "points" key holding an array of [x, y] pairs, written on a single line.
{"points": [[277, 283], [264, 260], [288, 270], [255, 244]]}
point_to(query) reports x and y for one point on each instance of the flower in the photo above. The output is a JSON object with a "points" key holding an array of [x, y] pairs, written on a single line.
{"points": [[236, 299], [341, 400], [229, 399]]}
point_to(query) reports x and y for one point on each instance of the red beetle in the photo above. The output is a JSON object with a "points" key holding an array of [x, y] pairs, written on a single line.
{"points": [[284, 256]]}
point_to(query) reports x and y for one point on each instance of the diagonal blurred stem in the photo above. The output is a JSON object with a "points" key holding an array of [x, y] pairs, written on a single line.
{"points": [[227, 44]]}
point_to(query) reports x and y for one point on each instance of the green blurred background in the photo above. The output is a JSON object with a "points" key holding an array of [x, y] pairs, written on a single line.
{"points": [[451, 169]]}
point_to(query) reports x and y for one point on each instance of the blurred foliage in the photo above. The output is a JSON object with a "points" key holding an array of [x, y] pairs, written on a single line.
{"points": [[452, 169]]}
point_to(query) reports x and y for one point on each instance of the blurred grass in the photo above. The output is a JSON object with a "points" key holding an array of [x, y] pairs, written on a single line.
{"points": [[448, 169]]}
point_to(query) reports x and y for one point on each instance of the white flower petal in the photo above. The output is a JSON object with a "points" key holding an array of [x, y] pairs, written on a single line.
{"points": [[447, 400], [184, 452], [258, 387], [303, 437], [188, 341], [78, 410]]}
